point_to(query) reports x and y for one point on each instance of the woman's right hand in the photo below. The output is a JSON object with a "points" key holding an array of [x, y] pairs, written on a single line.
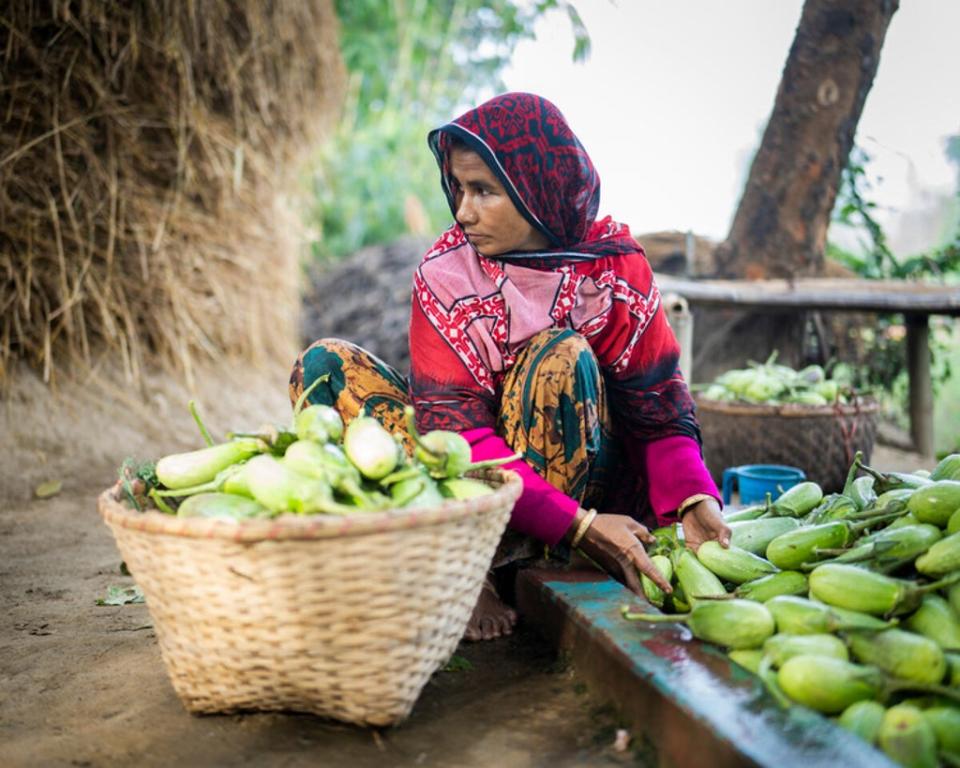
{"points": [[616, 543]]}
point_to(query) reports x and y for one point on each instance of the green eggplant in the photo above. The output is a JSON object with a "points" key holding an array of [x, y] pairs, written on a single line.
{"points": [[936, 502], [223, 506], [938, 621], [798, 500], [863, 718], [184, 470], [947, 469]]}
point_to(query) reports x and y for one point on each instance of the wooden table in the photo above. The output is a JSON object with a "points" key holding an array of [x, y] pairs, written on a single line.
{"points": [[915, 301]]}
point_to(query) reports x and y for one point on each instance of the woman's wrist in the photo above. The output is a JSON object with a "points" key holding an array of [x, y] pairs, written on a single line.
{"points": [[585, 523], [575, 524], [690, 502]]}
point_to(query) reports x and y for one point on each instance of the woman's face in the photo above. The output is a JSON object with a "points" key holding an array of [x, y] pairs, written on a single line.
{"points": [[485, 211]]}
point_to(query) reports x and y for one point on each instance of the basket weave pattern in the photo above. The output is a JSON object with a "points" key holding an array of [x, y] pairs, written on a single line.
{"points": [[340, 617], [821, 440]]}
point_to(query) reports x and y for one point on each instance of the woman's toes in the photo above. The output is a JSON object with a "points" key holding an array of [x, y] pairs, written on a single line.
{"points": [[490, 629]]}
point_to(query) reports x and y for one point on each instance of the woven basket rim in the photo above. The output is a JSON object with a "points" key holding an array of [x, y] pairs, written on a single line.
{"points": [[866, 405], [290, 526]]}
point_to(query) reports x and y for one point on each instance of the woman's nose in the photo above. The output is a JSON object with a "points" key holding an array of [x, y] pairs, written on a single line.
{"points": [[466, 212]]}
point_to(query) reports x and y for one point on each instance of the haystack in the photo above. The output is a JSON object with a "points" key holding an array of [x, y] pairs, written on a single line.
{"points": [[146, 153], [148, 217]]}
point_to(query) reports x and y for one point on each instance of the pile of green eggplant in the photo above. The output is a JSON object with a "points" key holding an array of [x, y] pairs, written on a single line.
{"points": [[772, 383], [315, 465], [847, 603]]}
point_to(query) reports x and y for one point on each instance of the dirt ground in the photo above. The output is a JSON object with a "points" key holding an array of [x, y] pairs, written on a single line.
{"points": [[84, 685]]}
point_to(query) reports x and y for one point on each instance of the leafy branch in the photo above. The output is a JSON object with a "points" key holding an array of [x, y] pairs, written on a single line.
{"points": [[412, 65]]}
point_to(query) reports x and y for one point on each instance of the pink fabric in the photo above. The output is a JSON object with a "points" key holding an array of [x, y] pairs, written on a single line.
{"points": [[542, 511], [487, 310], [675, 472]]}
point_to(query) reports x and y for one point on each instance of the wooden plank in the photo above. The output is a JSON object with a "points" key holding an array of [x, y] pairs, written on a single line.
{"points": [[921, 386], [819, 293]]}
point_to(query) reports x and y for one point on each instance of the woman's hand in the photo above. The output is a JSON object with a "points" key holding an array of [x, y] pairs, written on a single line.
{"points": [[703, 522], [615, 542]]}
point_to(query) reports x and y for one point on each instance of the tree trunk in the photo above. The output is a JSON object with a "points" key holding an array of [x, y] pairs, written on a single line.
{"points": [[780, 227]]}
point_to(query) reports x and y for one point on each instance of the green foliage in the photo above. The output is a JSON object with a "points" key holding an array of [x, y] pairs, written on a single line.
{"points": [[882, 347], [413, 64], [855, 210]]}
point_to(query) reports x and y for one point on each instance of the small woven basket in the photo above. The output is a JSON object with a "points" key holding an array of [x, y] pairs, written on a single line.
{"points": [[821, 440], [343, 617]]}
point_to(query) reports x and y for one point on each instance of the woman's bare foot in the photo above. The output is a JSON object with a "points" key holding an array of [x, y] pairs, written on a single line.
{"points": [[491, 617]]}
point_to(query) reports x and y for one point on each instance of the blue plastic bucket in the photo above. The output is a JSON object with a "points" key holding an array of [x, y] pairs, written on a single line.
{"points": [[755, 481]]}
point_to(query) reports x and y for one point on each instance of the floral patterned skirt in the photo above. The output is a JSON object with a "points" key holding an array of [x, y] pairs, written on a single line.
{"points": [[553, 410]]}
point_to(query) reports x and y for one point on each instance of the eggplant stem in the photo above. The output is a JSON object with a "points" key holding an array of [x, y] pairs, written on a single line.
{"points": [[873, 519], [655, 618], [834, 551], [192, 406], [298, 406], [894, 507], [727, 596], [493, 462], [946, 581], [407, 473], [213, 485], [852, 473], [361, 498], [161, 504], [412, 429], [897, 684]]}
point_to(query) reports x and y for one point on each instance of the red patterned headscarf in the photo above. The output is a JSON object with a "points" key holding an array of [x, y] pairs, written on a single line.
{"points": [[549, 176]]}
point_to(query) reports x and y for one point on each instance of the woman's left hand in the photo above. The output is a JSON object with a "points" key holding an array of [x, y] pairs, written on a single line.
{"points": [[704, 522]]}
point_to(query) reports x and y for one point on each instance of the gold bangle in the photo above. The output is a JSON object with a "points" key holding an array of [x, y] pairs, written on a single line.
{"points": [[582, 528], [689, 502]]}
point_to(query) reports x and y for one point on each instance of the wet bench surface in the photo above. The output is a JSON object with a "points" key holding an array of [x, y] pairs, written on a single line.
{"points": [[685, 699]]}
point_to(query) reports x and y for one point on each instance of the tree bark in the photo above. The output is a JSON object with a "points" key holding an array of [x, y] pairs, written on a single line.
{"points": [[780, 227]]}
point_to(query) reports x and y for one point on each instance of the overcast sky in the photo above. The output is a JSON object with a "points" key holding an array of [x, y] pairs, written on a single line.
{"points": [[676, 94]]}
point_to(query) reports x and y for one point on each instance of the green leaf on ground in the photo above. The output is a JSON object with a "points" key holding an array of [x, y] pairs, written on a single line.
{"points": [[48, 489], [458, 664], [117, 595]]}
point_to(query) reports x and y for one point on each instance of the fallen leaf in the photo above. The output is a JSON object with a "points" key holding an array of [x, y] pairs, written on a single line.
{"points": [[458, 664], [48, 489], [121, 595]]}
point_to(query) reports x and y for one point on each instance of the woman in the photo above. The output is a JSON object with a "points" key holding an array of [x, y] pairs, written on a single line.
{"points": [[537, 328]]}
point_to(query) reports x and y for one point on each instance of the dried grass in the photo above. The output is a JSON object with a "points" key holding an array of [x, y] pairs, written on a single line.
{"points": [[146, 158]]}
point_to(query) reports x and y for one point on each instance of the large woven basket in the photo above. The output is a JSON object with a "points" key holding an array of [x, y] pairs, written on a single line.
{"points": [[821, 440], [343, 617]]}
